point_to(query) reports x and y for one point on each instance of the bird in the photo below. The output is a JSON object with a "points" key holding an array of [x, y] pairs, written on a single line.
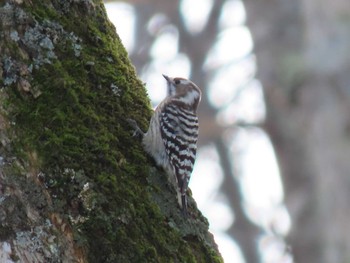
{"points": [[172, 135]]}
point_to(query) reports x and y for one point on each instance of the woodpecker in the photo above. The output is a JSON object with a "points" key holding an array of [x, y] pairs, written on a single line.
{"points": [[172, 135]]}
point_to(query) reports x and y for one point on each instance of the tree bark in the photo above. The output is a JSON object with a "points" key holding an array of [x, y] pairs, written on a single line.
{"points": [[74, 185], [303, 62]]}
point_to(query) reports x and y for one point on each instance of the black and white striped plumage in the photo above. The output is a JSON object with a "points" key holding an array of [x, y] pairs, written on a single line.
{"points": [[173, 132]]}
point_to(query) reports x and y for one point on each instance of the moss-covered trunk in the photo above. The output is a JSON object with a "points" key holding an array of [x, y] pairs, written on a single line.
{"points": [[74, 185]]}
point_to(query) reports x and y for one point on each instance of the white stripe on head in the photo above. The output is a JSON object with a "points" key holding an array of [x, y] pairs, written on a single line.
{"points": [[190, 97]]}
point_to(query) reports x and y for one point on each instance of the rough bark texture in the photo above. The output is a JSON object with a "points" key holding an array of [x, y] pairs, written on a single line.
{"points": [[74, 185], [303, 61]]}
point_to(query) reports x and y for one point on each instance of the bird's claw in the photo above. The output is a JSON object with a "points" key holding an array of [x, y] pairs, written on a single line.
{"points": [[137, 131]]}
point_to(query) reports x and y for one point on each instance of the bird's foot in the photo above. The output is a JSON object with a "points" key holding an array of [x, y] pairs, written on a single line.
{"points": [[137, 131]]}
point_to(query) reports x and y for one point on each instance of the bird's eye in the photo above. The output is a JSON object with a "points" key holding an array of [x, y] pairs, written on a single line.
{"points": [[177, 82]]}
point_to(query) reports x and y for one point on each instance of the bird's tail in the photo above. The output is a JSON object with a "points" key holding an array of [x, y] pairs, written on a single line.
{"points": [[184, 204], [182, 198]]}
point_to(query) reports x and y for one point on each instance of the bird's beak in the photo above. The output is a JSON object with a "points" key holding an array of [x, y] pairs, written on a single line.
{"points": [[166, 77], [170, 85]]}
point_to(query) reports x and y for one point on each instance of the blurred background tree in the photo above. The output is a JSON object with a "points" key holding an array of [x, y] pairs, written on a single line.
{"points": [[291, 95], [303, 59]]}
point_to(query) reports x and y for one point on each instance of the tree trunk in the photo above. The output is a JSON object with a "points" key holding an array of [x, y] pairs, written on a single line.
{"points": [[74, 185], [303, 62]]}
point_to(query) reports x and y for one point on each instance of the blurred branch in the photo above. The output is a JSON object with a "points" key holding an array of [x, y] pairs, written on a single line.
{"points": [[243, 230]]}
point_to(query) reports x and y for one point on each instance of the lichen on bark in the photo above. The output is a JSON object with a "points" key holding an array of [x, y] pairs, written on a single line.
{"points": [[72, 177]]}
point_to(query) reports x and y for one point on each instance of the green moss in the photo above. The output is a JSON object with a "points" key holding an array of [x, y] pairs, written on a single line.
{"points": [[77, 128]]}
